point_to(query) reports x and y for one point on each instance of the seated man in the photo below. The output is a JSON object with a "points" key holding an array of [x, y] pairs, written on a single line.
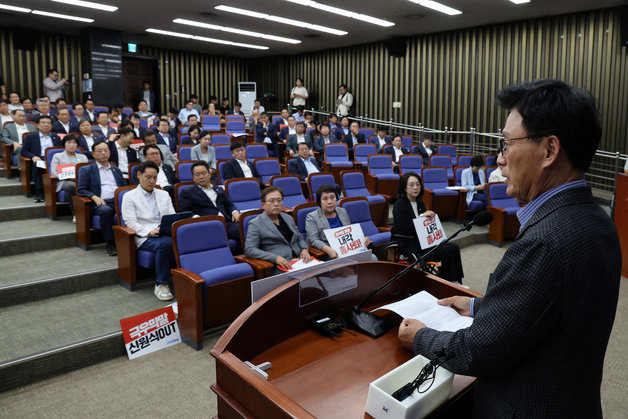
{"points": [[474, 180], [324, 138], [426, 149], [380, 140], [165, 137], [291, 129], [297, 138], [88, 138], [89, 110], [257, 106], [167, 157], [209, 200], [344, 128], [188, 111], [13, 133], [239, 166], [103, 128], [63, 124], [142, 210], [353, 137], [98, 182], [43, 108], [305, 164], [121, 153], [236, 110], [266, 132], [79, 114], [299, 115], [273, 236], [142, 109], [5, 115], [139, 130], [397, 150], [192, 120], [166, 178], [35, 146], [14, 102]]}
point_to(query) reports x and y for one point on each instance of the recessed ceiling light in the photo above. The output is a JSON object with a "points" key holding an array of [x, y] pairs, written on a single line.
{"points": [[60, 16], [280, 19], [91, 5], [14, 8], [343, 12], [236, 30], [204, 39], [439, 7], [520, 1]]}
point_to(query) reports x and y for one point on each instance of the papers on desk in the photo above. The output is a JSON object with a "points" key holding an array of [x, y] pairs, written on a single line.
{"points": [[456, 188], [423, 306], [299, 264]]}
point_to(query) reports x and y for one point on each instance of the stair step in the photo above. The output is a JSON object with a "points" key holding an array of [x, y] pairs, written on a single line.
{"points": [[10, 189], [37, 243], [20, 208]]}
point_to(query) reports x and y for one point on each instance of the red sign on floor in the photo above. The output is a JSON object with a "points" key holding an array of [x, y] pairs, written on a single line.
{"points": [[149, 332]]}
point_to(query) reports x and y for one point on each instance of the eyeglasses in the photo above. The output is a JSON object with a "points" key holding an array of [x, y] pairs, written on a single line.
{"points": [[274, 201], [105, 150], [503, 142]]}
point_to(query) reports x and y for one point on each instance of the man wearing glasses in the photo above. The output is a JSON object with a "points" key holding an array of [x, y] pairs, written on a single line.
{"points": [[539, 335], [273, 235]]}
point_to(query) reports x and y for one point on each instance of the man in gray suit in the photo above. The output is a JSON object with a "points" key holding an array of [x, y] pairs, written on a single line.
{"points": [[539, 335], [273, 235], [12, 133]]}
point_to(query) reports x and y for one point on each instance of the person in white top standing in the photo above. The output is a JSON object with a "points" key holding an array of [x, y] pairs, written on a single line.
{"points": [[344, 101], [55, 88], [299, 93]]}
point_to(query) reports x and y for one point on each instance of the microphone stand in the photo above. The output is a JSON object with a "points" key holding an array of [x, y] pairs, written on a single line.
{"points": [[373, 325]]}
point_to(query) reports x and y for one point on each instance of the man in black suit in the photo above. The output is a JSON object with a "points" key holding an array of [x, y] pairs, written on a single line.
{"points": [[343, 129], [35, 146], [166, 177], [397, 150], [236, 110], [266, 132], [88, 138], [353, 137], [239, 166], [206, 199], [304, 164], [539, 335], [425, 149], [165, 136], [139, 130], [121, 154], [63, 124], [89, 111]]}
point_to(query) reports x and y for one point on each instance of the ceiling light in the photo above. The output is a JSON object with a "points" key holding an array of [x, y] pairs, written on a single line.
{"points": [[81, 3], [204, 39], [60, 16], [343, 12], [15, 9], [439, 7], [236, 30], [279, 19], [520, 1]]}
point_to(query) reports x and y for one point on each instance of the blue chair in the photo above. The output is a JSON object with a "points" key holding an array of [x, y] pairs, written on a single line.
{"points": [[291, 186], [210, 122], [382, 176], [407, 142], [144, 122], [363, 151], [129, 258], [267, 167], [354, 185], [220, 139], [458, 175], [235, 118], [183, 170], [127, 110], [101, 109], [436, 196], [449, 150], [489, 170], [275, 118], [183, 129], [464, 160], [244, 193], [235, 127], [220, 165], [359, 212], [212, 286], [490, 160], [184, 152], [316, 180], [437, 160], [505, 224], [182, 138], [299, 214], [336, 159], [367, 132], [133, 180], [223, 152], [256, 151], [410, 163]]}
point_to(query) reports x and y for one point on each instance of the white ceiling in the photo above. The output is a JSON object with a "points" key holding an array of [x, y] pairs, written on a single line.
{"points": [[133, 17]]}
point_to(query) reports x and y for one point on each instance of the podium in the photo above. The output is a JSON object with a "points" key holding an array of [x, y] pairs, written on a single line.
{"points": [[312, 375], [621, 218]]}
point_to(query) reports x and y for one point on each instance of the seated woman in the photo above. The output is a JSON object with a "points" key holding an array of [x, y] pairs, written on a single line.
{"points": [[194, 133], [408, 207], [204, 151], [474, 180], [69, 156], [327, 216]]}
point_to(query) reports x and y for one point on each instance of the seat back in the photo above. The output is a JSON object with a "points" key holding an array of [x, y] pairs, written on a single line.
{"points": [[235, 127], [233, 117], [359, 212], [182, 138], [336, 152], [434, 178], [184, 152], [489, 170], [243, 223], [437, 160], [178, 189], [490, 160], [353, 183], [144, 122], [380, 164], [291, 187], [223, 152], [275, 118], [220, 139], [366, 132], [210, 122], [407, 142], [244, 193], [183, 129], [201, 244], [220, 165], [183, 170], [133, 173], [255, 151], [363, 151], [449, 150], [101, 109], [459, 171], [464, 160], [300, 212], [267, 167], [316, 180], [119, 197], [497, 196], [410, 163], [127, 110]]}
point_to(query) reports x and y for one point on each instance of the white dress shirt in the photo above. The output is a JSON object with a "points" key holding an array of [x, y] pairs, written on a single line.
{"points": [[108, 183], [90, 141], [21, 130], [5, 118], [66, 127], [398, 153], [45, 141], [123, 159], [162, 179], [245, 168], [427, 149]]}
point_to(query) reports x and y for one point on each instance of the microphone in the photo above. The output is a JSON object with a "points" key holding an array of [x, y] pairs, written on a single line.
{"points": [[375, 326]]}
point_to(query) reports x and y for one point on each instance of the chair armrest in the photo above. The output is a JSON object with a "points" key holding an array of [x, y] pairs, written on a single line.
{"points": [[497, 227], [125, 246], [318, 254], [428, 198], [50, 194], [283, 169], [326, 166], [83, 220], [371, 182], [188, 287], [261, 268], [383, 229]]}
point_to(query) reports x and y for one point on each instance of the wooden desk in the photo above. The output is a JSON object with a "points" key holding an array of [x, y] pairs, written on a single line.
{"points": [[312, 375]]}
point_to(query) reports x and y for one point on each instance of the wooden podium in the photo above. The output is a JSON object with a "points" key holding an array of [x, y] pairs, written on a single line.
{"points": [[621, 218], [312, 375]]}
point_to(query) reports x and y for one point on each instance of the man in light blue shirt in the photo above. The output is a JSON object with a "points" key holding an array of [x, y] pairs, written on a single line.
{"points": [[187, 111]]}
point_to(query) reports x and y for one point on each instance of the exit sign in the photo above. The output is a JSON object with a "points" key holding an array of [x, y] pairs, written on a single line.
{"points": [[132, 47]]}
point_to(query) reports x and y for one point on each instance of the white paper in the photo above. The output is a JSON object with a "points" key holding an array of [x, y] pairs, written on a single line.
{"points": [[41, 164], [299, 264], [423, 306], [456, 188]]}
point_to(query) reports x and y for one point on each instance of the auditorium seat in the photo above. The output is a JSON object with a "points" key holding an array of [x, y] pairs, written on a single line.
{"points": [[255, 151], [244, 193], [184, 152], [359, 213], [211, 284], [410, 163], [437, 160], [51, 196], [292, 190], [380, 169], [299, 214], [261, 268], [437, 197], [235, 127], [489, 170], [219, 170], [210, 122], [223, 152], [183, 170], [316, 180], [505, 224], [490, 160], [182, 138], [218, 139], [464, 160], [354, 184], [363, 151], [407, 142], [449, 150], [336, 159]]}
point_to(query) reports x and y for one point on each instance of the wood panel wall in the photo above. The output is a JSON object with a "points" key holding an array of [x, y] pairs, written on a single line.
{"points": [[450, 78]]}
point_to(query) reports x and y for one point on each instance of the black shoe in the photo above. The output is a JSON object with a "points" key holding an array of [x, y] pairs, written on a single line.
{"points": [[111, 250], [39, 199]]}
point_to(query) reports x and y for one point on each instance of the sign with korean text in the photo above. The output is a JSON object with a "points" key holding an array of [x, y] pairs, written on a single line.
{"points": [[346, 240], [429, 230], [66, 171], [150, 332], [137, 144]]}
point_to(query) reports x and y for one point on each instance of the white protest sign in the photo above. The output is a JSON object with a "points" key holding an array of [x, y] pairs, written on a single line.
{"points": [[150, 332], [346, 240], [429, 230], [66, 171]]}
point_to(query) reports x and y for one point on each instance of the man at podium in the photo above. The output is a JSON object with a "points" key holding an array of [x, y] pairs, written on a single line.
{"points": [[539, 335]]}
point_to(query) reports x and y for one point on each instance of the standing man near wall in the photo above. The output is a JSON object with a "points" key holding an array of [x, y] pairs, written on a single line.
{"points": [[344, 101], [55, 88]]}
